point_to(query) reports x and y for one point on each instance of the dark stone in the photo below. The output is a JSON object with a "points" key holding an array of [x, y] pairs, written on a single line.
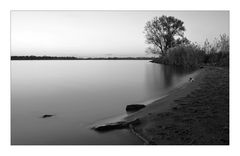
{"points": [[47, 116], [201, 67], [111, 126], [117, 125], [191, 79], [134, 107]]}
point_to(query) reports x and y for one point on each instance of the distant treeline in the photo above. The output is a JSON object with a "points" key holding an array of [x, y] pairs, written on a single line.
{"points": [[76, 58]]}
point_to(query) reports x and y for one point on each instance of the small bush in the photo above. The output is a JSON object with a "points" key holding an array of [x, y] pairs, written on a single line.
{"points": [[218, 52], [219, 59], [185, 55]]}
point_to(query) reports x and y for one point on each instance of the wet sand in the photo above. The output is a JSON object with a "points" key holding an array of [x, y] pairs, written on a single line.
{"points": [[197, 113]]}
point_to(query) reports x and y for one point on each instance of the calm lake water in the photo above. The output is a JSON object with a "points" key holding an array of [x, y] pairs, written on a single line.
{"points": [[81, 93]]}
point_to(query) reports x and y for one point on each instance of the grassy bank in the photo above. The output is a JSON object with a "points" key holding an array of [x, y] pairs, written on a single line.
{"points": [[194, 55], [196, 114]]}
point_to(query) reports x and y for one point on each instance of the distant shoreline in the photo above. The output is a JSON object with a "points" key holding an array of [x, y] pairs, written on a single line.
{"points": [[76, 58]]}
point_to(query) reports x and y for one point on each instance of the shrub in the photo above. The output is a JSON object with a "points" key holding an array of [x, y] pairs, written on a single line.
{"points": [[185, 55], [193, 55], [220, 59], [218, 52]]}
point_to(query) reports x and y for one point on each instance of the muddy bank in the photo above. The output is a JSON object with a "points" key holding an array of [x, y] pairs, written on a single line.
{"points": [[195, 114]]}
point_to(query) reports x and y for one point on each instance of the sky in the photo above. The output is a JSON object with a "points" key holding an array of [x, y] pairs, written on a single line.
{"points": [[102, 33]]}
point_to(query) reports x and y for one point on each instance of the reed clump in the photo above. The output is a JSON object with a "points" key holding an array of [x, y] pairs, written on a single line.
{"points": [[194, 55]]}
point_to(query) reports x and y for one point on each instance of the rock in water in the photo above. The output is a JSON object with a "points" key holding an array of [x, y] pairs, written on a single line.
{"points": [[47, 116], [111, 126], [117, 125], [134, 107]]}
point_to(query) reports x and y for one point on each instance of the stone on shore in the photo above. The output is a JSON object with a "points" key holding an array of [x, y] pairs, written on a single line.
{"points": [[117, 125], [134, 107]]}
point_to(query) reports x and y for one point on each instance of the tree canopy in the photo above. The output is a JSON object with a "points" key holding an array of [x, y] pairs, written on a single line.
{"points": [[163, 33]]}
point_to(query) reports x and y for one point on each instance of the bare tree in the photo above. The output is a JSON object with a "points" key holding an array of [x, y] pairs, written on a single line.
{"points": [[163, 33]]}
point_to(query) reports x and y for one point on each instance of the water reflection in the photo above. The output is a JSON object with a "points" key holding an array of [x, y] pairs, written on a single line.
{"points": [[80, 93], [170, 73], [161, 77]]}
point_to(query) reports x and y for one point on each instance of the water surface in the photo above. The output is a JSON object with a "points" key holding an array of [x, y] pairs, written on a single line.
{"points": [[80, 93]]}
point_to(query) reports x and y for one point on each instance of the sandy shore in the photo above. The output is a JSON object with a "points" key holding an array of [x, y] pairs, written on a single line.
{"points": [[196, 113]]}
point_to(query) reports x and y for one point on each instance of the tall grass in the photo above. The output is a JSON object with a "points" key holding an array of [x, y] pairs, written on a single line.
{"points": [[218, 52], [185, 55], [220, 59], [193, 55]]}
